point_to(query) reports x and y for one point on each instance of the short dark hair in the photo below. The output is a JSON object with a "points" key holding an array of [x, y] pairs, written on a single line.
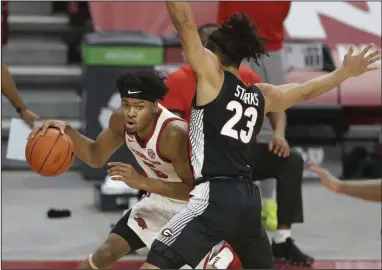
{"points": [[237, 39], [149, 81]]}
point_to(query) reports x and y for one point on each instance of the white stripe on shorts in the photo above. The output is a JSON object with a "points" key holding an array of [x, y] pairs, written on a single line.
{"points": [[196, 206]]}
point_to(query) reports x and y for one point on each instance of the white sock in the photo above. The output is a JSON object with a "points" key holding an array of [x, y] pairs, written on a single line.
{"points": [[282, 235]]}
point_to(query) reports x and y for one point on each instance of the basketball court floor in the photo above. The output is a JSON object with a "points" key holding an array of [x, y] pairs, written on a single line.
{"points": [[340, 232]]}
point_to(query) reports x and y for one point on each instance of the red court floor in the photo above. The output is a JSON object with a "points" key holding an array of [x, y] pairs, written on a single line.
{"points": [[332, 264]]}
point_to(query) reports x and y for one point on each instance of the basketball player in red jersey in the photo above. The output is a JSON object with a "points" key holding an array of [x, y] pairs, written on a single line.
{"points": [[158, 140]]}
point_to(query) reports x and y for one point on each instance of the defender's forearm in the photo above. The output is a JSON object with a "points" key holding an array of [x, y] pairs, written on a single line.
{"points": [[322, 84], [293, 93], [174, 190], [84, 147], [370, 190], [278, 122]]}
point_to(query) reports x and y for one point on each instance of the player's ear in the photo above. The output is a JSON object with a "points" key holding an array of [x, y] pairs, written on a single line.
{"points": [[155, 107]]}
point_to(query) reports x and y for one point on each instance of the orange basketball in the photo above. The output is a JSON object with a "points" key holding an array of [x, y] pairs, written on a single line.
{"points": [[51, 154]]}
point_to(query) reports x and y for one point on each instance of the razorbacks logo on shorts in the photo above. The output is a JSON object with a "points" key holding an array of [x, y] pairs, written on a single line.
{"points": [[151, 153], [141, 223], [167, 233]]}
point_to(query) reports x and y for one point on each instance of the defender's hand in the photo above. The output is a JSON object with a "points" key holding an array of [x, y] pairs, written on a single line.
{"points": [[29, 117], [125, 172], [279, 146], [327, 179], [61, 125], [355, 65]]}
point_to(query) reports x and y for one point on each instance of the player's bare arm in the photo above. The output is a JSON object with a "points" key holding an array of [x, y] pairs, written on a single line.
{"points": [[94, 153], [173, 147], [9, 89], [280, 98], [370, 190], [202, 61]]}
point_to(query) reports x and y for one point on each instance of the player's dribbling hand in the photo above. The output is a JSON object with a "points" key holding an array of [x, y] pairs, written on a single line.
{"points": [[61, 125], [279, 146], [327, 179], [126, 173], [355, 65]]}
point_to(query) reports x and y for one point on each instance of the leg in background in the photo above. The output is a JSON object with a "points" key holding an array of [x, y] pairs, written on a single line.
{"points": [[288, 172]]}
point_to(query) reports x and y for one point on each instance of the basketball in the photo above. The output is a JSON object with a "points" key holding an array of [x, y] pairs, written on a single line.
{"points": [[50, 154]]}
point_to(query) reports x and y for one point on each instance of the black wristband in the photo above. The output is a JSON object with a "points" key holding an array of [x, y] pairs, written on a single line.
{"points": [[19, 110]]}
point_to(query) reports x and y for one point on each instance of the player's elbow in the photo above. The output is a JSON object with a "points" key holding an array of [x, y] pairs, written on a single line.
{"points": [[287, 96], [278, 101], [96, 162], [94, 158], [95, 165]]}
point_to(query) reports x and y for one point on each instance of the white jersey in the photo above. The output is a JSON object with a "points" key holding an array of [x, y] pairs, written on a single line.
{"points": [[147, 152], [151, 213]]}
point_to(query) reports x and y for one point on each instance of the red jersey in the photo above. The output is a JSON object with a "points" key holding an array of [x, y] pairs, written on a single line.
{"points": [[182, 86], [267, 16]]}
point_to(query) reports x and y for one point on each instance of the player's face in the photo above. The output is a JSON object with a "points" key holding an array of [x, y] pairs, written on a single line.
{"points": [[138, 114]]}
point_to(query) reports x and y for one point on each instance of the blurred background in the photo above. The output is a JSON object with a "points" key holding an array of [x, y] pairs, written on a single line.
{"points": [[64, 57]]}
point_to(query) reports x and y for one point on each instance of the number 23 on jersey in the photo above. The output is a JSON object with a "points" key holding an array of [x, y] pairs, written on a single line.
{"points": [[228, 128]]}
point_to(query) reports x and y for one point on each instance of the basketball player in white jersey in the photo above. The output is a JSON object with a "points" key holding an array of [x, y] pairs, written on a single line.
{"points": [[158, 139]]}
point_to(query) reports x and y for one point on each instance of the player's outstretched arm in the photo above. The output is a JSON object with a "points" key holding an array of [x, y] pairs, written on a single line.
{"points": [[280, 98], [94, 153], [370, 190]]}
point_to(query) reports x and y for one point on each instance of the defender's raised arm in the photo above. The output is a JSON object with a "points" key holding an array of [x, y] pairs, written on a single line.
{"points": [[183, 20]]}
